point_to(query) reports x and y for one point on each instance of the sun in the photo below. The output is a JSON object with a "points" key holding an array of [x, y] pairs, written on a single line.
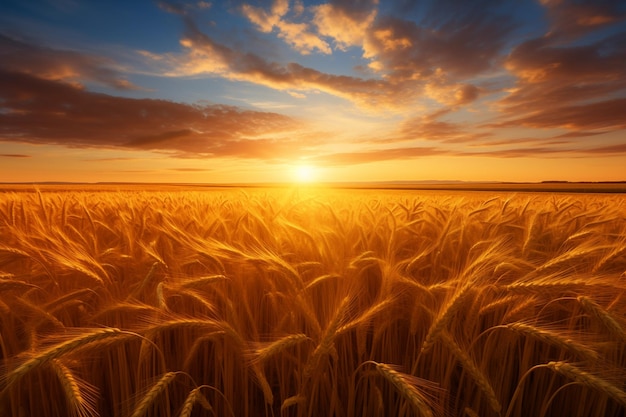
{"points": [[304, 173]]}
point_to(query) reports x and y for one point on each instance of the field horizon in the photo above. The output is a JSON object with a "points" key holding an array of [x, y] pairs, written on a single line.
{"points": [[550, 186]]}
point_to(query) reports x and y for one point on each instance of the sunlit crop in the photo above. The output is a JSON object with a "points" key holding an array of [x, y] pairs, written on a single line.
{"points": [[311, 303]]}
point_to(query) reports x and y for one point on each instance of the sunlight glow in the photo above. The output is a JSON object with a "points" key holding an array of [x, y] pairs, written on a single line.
{"points": [[304, 173]]}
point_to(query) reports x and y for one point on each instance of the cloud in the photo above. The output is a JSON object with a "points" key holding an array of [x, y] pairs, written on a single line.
{"points": [[183, 8], [191, 169], [432, 56], [436, 57], [606, 115], [41, 111], [59, 65], [112, 159], [14, 155], [551, 152], [567, 85], [206, 56], [518, 141], [426, 128], [404, 153], [576, 17], [461, 42], [35, 110], [297, 35], [352, 158], [610, 149], [303, 41], [346, 22]]}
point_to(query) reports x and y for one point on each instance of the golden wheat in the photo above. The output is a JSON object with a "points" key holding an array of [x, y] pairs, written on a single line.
{"points": [[80, 401], [604, 317], [552, 337], [273, 301], [586, 378], [406, 387], [40, 358], [148, 399], [469, 365]]}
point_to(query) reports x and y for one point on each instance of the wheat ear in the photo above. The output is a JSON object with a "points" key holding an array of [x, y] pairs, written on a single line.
{"points": [[189, 402], [326, 345], [444, 317], [263, 354], [153, 393], [603, 316], [592, 381], [555, 339], [291, 401], [202, 282], [405, 387], [196, 396], [58, 351], [470, 412], [79, 405]]}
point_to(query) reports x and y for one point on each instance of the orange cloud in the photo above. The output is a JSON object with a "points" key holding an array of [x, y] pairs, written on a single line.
{"points": [[605, 115], [191, 169], [576, 17], [347, 23], [352, 158], [36, 110], [576, 87], [297, 35], [59, 65], [204, 55], [426, 128]]}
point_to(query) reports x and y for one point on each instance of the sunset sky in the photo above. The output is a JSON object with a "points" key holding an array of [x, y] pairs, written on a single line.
{"points": [[266, 91]]}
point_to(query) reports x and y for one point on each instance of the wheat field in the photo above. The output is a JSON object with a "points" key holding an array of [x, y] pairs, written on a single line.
{"points": [[296, 302]]}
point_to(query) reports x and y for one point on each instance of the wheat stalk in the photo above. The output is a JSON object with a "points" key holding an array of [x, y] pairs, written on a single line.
{"points": [[12, 284], [468, 364], [326, 343]]}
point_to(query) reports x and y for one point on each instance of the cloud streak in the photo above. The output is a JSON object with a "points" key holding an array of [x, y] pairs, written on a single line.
{"points": [[36, 110], [575, 87], [60, 65], [14, 155]]}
